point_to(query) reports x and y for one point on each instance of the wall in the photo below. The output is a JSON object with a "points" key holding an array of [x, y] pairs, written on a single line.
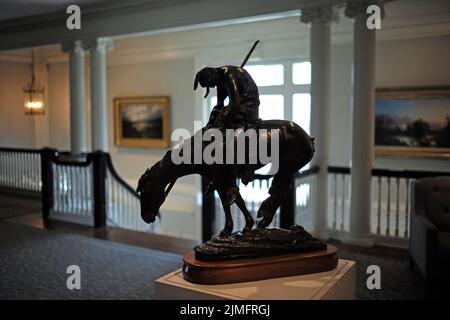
{"points": [[412, 50], [167, 78], [13, 76], [399, 63], [59, 114]]}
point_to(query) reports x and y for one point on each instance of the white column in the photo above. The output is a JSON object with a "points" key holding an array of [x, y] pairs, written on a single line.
{"points": [[363, 125], [319, 19], [78, 139], [99, 103]]}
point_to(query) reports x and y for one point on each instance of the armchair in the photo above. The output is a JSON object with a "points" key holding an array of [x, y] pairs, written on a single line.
{"points": [[430, 227]]}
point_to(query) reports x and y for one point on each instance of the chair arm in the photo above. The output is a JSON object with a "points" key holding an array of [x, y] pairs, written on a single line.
{"points": [[423, 242]]}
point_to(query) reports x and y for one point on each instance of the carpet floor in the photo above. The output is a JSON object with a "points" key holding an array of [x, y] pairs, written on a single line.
{"points": [[14, 206], [33, 265], [397, 281]]}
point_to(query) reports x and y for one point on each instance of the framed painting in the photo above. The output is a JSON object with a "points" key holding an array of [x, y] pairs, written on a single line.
{"points": [[141, 122], [413, 122]]}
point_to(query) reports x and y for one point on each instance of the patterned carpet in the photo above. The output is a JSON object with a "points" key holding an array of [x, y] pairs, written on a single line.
{"points": [[397, 281], [13, 206], [34, 262]]}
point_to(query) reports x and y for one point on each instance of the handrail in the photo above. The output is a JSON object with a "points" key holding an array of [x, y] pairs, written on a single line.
{"points": [[5, 149], [341, 170], [65, 158], [299, 174], [116, 176], [410, 174]]}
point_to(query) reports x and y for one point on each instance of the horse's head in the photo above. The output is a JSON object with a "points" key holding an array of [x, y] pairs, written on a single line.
{"points": [[152, 196]]}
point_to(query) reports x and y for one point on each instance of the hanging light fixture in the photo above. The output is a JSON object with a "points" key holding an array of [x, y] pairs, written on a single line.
{"points": [[34, 93]]}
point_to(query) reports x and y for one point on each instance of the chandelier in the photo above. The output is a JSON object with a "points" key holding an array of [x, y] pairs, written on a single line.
{"points": [[34, 93]]}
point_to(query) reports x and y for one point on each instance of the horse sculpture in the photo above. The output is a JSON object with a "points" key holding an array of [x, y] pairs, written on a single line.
{"points": [[296, 149]]}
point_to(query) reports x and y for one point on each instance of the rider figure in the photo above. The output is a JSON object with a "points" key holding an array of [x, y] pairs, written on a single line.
{"points": [[242, 112]]}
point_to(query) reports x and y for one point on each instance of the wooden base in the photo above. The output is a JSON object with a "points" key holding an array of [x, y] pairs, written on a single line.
{"points": [[244, 270]]}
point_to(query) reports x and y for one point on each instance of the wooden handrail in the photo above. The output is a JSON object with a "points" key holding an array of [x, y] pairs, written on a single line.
{"points": [[20, 150], [409, 174], [116, 176], [68, 159]]}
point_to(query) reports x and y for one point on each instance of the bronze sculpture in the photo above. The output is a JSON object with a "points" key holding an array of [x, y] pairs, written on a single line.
{"points": [[296, 149]]}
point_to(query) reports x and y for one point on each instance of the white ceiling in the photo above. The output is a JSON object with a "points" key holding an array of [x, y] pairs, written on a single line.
{"points": [[11, 9]]}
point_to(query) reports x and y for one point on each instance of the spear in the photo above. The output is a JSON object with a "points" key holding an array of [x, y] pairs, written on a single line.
{"points": [[249, 53]]}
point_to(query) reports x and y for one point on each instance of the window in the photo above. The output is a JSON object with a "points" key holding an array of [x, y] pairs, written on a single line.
{"points": [[266, 74], [271, 106], [301, 73], [283, 92]]}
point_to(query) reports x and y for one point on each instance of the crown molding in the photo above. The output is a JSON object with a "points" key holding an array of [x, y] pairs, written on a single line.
{"points": [[288, 38], [136, 16]]}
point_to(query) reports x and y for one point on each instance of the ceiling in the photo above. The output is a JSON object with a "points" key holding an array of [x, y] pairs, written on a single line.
{"points": [[12, 9]]}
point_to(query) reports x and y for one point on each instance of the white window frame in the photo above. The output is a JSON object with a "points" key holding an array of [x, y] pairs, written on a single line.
{"points": [[287, 89]]}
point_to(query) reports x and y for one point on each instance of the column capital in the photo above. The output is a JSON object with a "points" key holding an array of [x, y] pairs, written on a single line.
{"points": [[320, 14], [355, 9], [100, 44], [72, 46]]}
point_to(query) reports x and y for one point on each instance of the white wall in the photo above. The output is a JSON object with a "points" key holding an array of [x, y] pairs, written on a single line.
{"points": [[412, 50], [16, 128], [58, 102], [167, 78], [399, 63]]}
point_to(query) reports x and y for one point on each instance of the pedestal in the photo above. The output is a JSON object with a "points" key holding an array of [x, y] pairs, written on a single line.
{"points": [[338, 283], [262, 268]]}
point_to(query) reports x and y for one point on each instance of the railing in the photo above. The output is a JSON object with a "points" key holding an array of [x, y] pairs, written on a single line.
{"points": [[72, 186], [390, 200], [123, 205], [20, 169], [389, 216], [297, 209], [87, 188]]}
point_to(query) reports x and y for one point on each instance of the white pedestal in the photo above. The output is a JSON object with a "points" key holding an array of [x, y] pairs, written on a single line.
{"points": [[337, 284]]}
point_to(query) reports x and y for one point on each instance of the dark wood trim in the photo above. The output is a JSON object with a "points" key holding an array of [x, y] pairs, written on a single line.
{"points": [[99, 176], [243, 270], [409, 174], [3, 149], [116, 176], [68, 159], [341, 170], [47, 181]]}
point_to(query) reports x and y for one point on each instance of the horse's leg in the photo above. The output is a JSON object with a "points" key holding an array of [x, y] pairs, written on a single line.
{"points": [[278, 191], [226, 208], [249, 222]]}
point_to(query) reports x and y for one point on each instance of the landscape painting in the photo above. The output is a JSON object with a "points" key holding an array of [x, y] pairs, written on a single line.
{"points": [[413, 122], [142, 122]]}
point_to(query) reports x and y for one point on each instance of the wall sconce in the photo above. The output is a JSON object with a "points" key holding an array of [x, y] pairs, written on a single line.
{"points": [[34, 94]]}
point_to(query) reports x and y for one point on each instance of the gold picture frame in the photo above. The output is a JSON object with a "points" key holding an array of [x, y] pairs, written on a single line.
{"points": [[412, 122], [141, 122]]}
